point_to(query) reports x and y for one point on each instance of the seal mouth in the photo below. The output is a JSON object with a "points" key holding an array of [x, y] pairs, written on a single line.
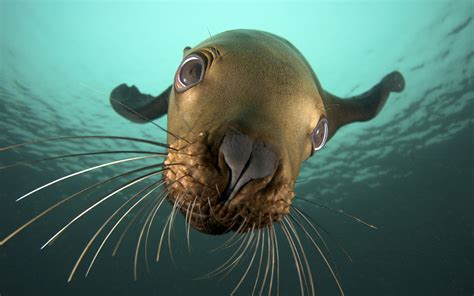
{"points": [[234, 184]]}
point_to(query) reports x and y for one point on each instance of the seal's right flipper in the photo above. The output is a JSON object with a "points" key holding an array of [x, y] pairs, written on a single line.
{"points": [[363, 107], [137, 107]]}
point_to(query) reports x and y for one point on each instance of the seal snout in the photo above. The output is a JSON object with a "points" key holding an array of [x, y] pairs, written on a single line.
{"points": [[247, 161]]}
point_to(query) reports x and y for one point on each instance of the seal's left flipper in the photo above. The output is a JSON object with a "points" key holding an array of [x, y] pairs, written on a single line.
{"points": [[137, 107], [362, 107]]}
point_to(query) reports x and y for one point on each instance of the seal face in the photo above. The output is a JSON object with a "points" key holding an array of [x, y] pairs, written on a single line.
{"points": [[245, 110], [248, 104]]}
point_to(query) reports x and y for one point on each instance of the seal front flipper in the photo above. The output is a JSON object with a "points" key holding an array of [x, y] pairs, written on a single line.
{"points": [[137, 107], [363, 107]]}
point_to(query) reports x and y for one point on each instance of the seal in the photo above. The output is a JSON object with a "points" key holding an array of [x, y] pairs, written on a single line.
{"points": [[245, 110]]}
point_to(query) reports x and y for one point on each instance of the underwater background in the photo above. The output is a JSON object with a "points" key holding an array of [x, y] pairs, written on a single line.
{"points": [[409, 171]]}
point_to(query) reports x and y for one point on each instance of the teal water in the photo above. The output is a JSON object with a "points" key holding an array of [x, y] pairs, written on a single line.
{"points": [[409, 171]]}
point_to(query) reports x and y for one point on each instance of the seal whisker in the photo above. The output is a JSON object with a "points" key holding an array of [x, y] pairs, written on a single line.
{"points": [[297, 263], [228, 263], [234, 264], [313, 225], [298, 255], [277, 253], [300, 213], [188, 223], [336, 279], [272, 251], [130, 139], [89, 188], [82, 172], [161, 240], [121, 188], [338, 211], [177, 205], [99, 230], [86, 248], [250, 263], [187, 217], [166, 228], [81, 154], [149, 227], [211, 210], [142, 231], [153, 187], [308, 267], [201, 215], [162, 235], [262, 247], [227, 243], [125, 231], [267, 266]]}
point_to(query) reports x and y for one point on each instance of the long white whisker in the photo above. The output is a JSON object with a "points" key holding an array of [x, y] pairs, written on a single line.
{"points": [[250, 264], [125, 231], [236, 261], [277, 253], [84, 171], [295, 257], [259, 262], [323, 256], [177, 205], [340, 211], [187, 225], [51, 208], [272, 250], [137, 249], [267, 267], [15, 146], [308, 268], [149, 227], [99, 202], [223, 267], [96, 234], [116, 224], [313, 225], [163, 231], [227, 243]]}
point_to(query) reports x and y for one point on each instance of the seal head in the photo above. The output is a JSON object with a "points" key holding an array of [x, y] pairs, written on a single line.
{"points": [[244, 112]]}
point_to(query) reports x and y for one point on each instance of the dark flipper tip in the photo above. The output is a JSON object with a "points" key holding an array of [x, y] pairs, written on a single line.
{"points": [[394, 82], [124, 93], [130, 103]]}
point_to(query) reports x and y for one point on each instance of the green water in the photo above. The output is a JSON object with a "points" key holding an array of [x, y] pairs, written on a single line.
{"points": [[409, 171]]}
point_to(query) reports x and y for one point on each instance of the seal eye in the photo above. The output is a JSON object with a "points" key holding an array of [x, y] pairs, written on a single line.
{"points": [[190, 72], [319, 135]]}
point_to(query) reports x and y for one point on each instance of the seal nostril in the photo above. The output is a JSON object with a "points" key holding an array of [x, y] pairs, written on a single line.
{"points": [[247, 161]]}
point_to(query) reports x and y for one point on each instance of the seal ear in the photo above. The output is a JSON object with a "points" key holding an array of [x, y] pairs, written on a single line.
{"points": [[363, 107], [137, 107]]}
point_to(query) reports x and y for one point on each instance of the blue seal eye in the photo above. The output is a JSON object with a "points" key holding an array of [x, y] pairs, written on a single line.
{"points": [[319, 135], [190, 72]]}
